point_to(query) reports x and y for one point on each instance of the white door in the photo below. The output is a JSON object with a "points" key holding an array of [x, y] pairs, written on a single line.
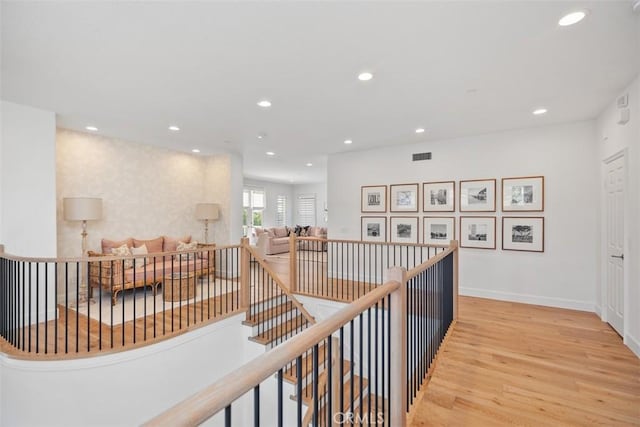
{"points": [[615, 243]]}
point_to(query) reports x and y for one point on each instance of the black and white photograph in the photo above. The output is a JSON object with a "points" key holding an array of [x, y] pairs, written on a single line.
{"points": [[373, 198], [373, 228], [438, 196], [478, 232], [404, 197], [438, 230], [404, 229], [523, 234], [478, 195], [523, 194]]}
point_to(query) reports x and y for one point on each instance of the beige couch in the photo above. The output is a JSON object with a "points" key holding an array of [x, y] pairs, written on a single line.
{"points": [[275, 240], [116, 276]]}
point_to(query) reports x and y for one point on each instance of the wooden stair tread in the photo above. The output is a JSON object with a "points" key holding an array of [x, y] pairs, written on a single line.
{"points": [[372, 416], [307, 392], [279, 330], [290, 375], [268, 314]]}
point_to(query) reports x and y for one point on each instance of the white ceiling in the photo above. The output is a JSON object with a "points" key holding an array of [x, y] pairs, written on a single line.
{"points": [[455, 68]]}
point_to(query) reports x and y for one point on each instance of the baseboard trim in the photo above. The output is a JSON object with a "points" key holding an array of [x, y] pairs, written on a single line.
{"points": [[598, 310], [528, 299], [633, 344]]}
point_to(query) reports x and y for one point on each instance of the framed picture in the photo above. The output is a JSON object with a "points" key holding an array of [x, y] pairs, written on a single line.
{"points": [[478, 195], [439, 196], [438, 230], [523, 194], [523, 234], [404, 229], [404, 197], [478, 232], [373, 198], [373, 228]]}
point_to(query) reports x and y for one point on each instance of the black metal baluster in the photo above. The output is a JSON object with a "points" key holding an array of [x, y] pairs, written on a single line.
{"points": [[316, 401], [227, 416], [256, 406], [299, 389], [280, 414]]}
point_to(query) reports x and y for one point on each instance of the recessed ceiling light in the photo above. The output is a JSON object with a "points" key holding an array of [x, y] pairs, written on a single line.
{"points": [[539, 111], [420, 130], [572, 18], [195, 150], [174, 128], [348, 141], [262, 135], [366, 76], [309, 164], [264, 103], [270, 153], [91, 128]]}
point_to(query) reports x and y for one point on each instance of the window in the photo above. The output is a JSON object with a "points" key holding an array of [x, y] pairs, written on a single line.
{"points": [[307, 209], [281, 210], [253, 204]]}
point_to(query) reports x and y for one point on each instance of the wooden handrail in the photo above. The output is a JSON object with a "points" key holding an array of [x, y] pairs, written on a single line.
{"points": [[282, 286], [418, 245], [209, 401], [431, 261], [106, 258]]}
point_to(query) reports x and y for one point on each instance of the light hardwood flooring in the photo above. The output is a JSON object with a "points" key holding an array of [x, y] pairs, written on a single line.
{"points": [[516, 364]]}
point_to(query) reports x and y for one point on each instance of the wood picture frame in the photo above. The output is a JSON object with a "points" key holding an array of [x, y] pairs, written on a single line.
{"points": [[403, 229], [478, 195], [404, 197], [478, 232], [439, 196], [438, 230], [523, 194], [373, 198], [373, 228], [523, 233]]}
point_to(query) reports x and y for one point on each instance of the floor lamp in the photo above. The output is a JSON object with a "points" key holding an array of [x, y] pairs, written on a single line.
{"points": [[207, 212], [82, 209]]}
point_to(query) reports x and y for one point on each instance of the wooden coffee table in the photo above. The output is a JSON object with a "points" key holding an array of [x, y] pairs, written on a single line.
{"points": [[179, 287]]}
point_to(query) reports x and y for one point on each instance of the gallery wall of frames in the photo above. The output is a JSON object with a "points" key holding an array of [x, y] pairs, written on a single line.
{"points": [[466, 210]]}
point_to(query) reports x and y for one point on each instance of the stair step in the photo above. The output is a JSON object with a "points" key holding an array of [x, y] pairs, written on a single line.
{"points": [[263, 316], [279, 331], [307, 392], [369, 415], [290, 375]]}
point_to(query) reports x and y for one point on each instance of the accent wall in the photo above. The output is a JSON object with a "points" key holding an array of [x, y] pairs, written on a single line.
{"points": [[565, 274]]}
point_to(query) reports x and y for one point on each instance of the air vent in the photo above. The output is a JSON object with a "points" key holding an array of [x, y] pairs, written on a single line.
{"points": [[421, 156]]}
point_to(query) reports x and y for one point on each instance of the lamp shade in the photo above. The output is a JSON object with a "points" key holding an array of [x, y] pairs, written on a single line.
{"points": [[82, 208], [209, 211]]}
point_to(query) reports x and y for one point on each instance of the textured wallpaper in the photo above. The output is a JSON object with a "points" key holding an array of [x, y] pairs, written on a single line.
{"points": [[147, 191]]}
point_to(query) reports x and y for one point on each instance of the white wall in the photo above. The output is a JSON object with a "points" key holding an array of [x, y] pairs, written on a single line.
{"points": [[612, 138], [272, 191], [565, 274], [320, 190], [122, 389], [28, 181]]}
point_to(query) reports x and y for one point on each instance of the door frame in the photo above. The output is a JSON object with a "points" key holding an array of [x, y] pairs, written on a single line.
{"points": [[624, 154]]}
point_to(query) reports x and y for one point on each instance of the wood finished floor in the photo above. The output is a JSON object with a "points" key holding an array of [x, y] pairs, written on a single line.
{"points": [[516, 364]]}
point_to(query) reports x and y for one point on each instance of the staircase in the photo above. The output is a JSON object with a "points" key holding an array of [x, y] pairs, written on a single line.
{"points": [[277, 319]]}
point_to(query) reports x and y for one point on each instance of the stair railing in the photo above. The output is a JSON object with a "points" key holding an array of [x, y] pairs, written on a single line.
{"points": [[401, 326]]}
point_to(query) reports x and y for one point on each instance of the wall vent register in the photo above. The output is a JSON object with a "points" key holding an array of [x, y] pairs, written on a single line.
{"points": [[421, 156]]}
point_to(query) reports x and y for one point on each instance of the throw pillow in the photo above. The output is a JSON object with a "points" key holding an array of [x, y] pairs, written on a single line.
{"points": [[154, 246], [139, 262], [123, 251], [108, 245], [183, 247], [170, 244]]}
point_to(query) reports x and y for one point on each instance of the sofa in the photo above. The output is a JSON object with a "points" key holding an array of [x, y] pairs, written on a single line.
{"points": [[275, 240], [168, 256]]}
